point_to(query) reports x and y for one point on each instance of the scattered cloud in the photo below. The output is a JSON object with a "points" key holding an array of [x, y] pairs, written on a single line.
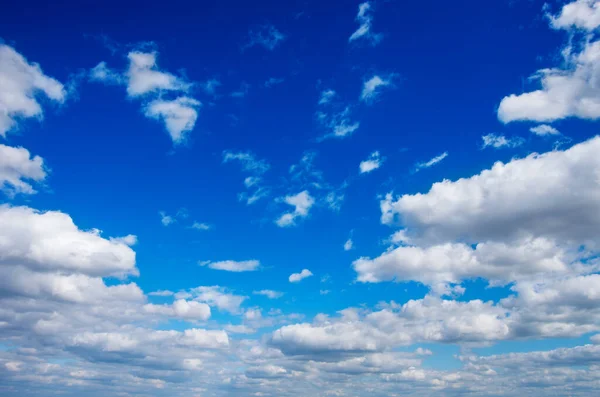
{"points": [[544, 130], [269, 293], [21, 83], [200, 226], [365, 20], [431, 162], [233, 266], [18, 169], [326, 96], [129, 240], [179, 116], [266, 36], [210, 86], [372, 163], [372, 88], [165, 219], [297, 277], [500, 141], [302, 203], [348, 245], [273, 81]]}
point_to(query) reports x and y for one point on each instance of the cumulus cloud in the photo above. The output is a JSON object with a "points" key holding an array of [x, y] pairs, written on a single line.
{"points": [[182, 309], [179, 116], [18, 169], [372, 88], [165, 219], [500, 141], [372, 163], [233, 266], [365, 20], [544, 130], [297, 277], [569, 90], [144, 77], [21, 85], [302, 203]]}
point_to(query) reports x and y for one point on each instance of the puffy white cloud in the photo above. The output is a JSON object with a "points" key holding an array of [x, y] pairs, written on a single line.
{"points": [[365, 20], [129, 240], [266, 36], [218, 297], [233, 266], [552, 195], [544, 129], [500, 141], [20, 84], [51, 241], [297, 277], [179, 115], [269, 293], [431, 162], [181, 308], [372, 87], [143, 76], [17, 166], [372, 163], [583, 14], [302, 202], [568, 91]]}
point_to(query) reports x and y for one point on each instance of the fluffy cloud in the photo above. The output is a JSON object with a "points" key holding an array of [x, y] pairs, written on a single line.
{"points": [[179, 115], [17, 167], [183, 309], [302, 202], [544, 129], [297, 277], [143, 76], [372, 163], [372, 88], [233, 266], [51, 241], [20, 84], [269, 293], [500, 141], [568, 91], [218, 297], [365, 20]]}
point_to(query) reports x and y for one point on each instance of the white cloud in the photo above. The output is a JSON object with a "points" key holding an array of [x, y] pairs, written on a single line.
{"points": [[372, 163], [431, 162], [17, 168], [269, 293], [129, 240], [143, 76], [348, 245], [179, 115], [326, 96], [103, 73], [200, 226], [302, 203], [248, 161], [50, 240], [20, 84], [544, 130], [500, 141], [233, 266], [161, 293], [297, 277], [266, 36], [165, 219], [570, 90], [364, 31], [583, 14], [210, 86], [181, 309], [218, 297], [372, 87]]}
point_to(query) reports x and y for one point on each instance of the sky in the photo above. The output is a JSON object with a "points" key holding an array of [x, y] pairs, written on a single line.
{"points": [[271, 198]]}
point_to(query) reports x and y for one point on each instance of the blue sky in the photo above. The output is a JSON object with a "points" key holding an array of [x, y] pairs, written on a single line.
{"points": [[231, 198]]}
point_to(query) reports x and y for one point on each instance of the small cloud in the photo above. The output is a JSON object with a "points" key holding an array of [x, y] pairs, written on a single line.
{"points": [[162, 293], [423, 352], [242, 92], [372, 87], [297, 277], [326, 96], [273, 81], [248, 161], [302, 203], [165, 219], [269, 293], [372, 163], [324, 292], [179, 115], [233, 266], [266, 36], [348, 245], [200, 226], [500, 141], [129, 240], [240, 329], [365, 20], [544, 130], [431, 162], [210, 86], [339, 124]]}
